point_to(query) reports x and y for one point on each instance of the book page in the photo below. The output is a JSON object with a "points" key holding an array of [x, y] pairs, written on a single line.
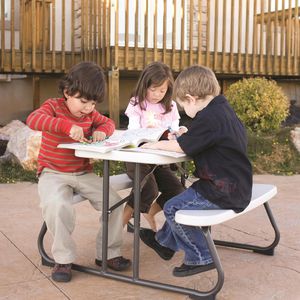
{"points": [[102, 147], [139, 135], [118, 140]]}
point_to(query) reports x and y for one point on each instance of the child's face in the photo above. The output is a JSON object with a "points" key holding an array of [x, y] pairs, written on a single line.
{"points": [[156, 93], [79, 106]]}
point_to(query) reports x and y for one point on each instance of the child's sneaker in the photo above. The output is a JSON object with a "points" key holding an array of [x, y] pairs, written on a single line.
{"points": [[61, 272]]}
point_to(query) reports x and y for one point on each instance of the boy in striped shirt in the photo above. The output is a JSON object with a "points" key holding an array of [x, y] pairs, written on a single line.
{"points": [[61, 173]]}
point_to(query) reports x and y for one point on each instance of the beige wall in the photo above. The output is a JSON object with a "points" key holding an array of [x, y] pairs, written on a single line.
{"points": [[16, 96]]}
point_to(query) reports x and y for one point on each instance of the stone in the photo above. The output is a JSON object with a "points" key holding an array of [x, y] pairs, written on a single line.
{"points": [[295, 134], [24, 143]]}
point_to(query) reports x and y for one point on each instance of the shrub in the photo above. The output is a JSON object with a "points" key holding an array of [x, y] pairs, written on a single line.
{"points": [[260, 103]]}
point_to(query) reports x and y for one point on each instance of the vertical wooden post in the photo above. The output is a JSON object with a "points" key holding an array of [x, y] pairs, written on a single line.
{"points": [[36, 91], [113, 95]]}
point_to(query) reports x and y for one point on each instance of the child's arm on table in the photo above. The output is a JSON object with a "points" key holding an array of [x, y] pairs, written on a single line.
{"points": [[171, 145], [104, 127]]}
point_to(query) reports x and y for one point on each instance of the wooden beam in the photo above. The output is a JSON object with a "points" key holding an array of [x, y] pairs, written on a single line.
{"points": [[113, 95], [36, 91]]}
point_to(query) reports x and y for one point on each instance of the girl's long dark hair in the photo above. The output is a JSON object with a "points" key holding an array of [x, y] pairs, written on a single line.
{"points": [[154, 74]]}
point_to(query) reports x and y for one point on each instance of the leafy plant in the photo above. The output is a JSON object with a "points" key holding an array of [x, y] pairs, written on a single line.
{"points": [[260, 103], [273, 153]]}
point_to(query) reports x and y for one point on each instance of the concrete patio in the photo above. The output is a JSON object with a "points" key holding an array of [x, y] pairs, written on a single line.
{"points": [[247, 275]]}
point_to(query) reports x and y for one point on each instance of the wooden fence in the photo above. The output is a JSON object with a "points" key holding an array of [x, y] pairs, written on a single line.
{"points": [[230, 36], [235, 38]]}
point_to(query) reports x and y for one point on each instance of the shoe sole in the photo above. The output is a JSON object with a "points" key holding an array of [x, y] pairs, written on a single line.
{"points": [[99, 264], [150, 245], [61, 279], [194, 271]]}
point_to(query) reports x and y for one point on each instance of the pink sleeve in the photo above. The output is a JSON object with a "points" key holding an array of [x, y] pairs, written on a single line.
{"points": [[134, 114], [132, 110]]}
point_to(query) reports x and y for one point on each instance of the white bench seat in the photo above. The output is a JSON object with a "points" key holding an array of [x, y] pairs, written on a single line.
{"points": [[118, 182], [261, 193]]}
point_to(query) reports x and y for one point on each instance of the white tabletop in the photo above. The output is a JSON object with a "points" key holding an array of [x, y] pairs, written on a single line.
{"points": [[135, 157]]}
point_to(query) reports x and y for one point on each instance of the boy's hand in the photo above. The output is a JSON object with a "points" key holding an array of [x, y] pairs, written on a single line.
{"points": [[182, 130], [98, 136], [77, 134], [173, 135]]}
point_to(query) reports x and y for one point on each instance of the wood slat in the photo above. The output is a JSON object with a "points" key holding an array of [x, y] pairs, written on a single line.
{"points": [[247, 36], [155, 32], [126, 33], [224, 37], [23, 45], [33, 35], [44, 35], [191, 31], [261, 38], [239, 46], [296, 39], [282, 34], [104, 20], [164, 32], [90, 30], [231, 35], [146, 33], [53, 58], [108, 30], [216, 39], [207, 62], [269, 41], [182, 35], [99, 32], [116, 56], [289, 40], [2, 34], [12, 34], [73, 31], [136, 33], [63, 36], [276, 32], [199, 52], [254, 41], [173, 65]]}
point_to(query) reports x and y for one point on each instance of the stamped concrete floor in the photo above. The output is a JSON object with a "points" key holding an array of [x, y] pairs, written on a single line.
{"points": [[247, 275]]}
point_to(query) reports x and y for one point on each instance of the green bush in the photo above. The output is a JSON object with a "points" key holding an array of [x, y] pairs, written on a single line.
{"points": [[260, 103]]}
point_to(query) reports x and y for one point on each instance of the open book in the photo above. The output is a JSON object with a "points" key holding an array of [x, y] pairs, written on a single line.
{"points": [[131, 138]]}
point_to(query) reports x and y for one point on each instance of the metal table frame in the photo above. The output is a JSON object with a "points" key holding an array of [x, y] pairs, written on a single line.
{"points": [[135, 278]]}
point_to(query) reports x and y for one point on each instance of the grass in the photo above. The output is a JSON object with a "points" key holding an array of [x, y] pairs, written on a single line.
{"points": [[272, 153]]}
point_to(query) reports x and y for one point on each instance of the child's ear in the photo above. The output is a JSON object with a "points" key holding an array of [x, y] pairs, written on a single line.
{"points": [[190, 98], [66, 93]]}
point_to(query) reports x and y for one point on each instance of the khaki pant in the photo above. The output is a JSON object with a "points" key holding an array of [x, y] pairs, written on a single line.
{"points": [[56, 190]]}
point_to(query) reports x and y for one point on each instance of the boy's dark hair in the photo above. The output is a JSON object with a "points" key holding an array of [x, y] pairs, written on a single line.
{"points": [[85, 80], [156, 73]]}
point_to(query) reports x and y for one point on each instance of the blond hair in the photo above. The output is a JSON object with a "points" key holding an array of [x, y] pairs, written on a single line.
{"points": [[197, 81]]}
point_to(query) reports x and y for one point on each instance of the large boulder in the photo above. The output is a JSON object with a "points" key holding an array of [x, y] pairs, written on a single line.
{"points": [[296, 137], [24, 143]]}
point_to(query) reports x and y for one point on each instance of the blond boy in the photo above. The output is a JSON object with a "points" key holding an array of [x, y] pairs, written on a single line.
{"points": [[216, 140]]}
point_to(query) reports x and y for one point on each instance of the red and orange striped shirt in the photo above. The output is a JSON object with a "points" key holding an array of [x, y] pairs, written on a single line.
{"points": [[54, 119]]}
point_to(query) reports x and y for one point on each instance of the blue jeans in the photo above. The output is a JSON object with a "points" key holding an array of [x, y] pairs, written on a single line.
{"points": [[190, 239]]}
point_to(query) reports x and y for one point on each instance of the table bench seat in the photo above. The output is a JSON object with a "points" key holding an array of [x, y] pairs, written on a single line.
{"points": [[261, 193], [118, 182]]}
